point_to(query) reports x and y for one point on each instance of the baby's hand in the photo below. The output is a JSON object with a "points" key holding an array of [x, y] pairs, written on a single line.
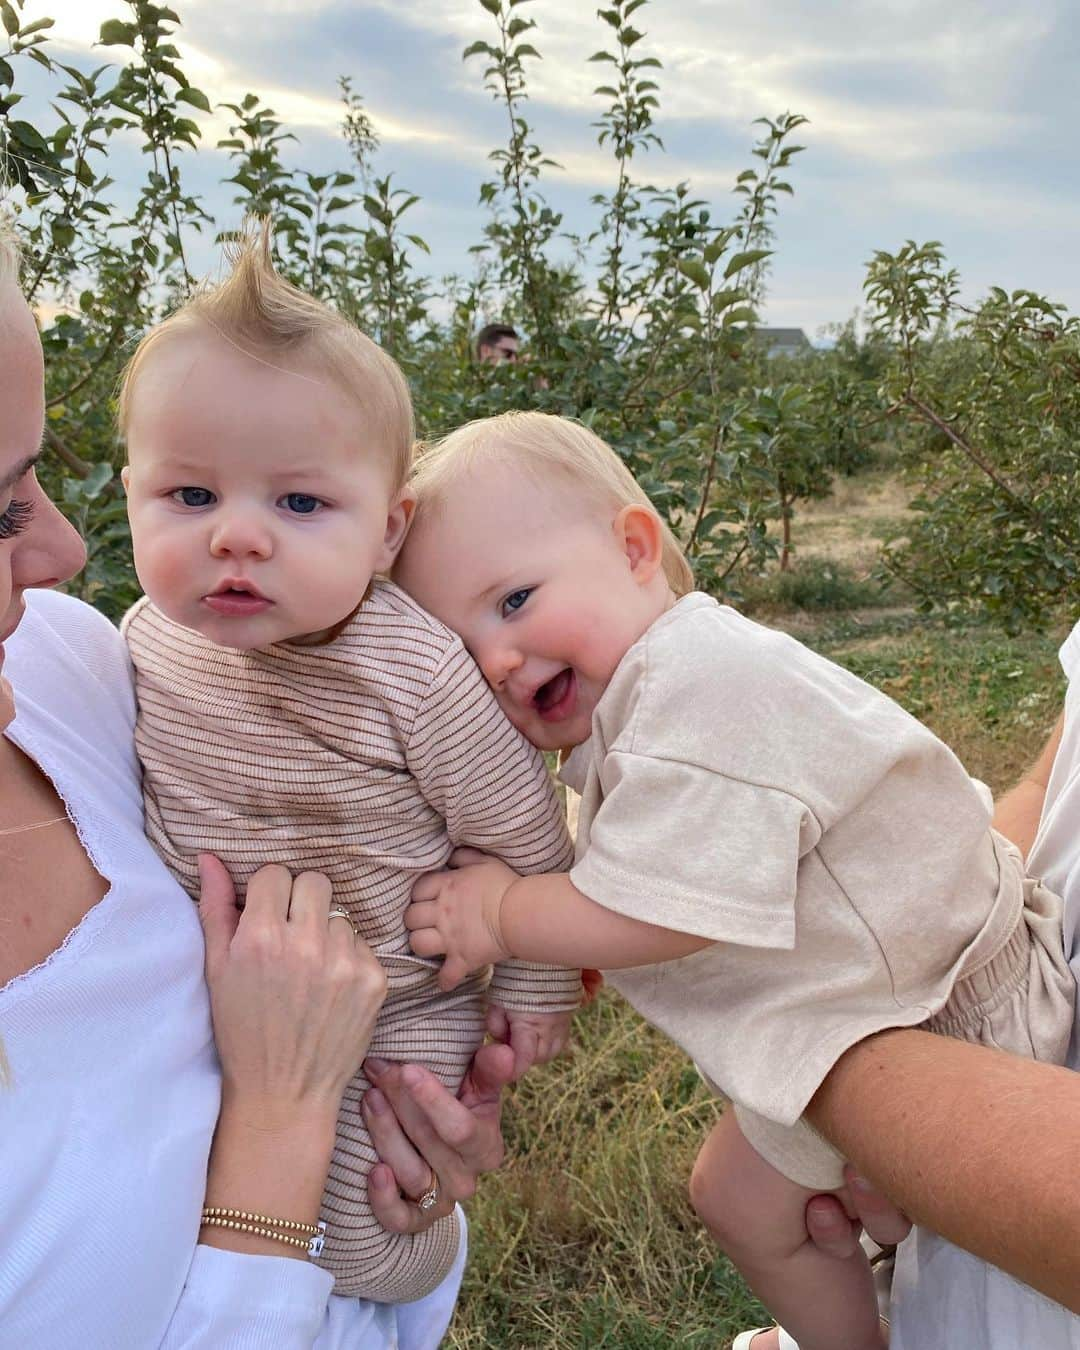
{"points": [[534, 1037], [456, 913]]}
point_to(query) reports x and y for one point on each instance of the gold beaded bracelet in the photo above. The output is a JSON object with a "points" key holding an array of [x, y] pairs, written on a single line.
{"points": [[262, 1225]]}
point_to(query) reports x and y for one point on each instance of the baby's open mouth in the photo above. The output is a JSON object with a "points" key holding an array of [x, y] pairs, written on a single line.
{"points": [[550, 695]]}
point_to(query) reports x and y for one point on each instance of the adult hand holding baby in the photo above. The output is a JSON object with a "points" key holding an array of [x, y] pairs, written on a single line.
{"points": [[293, 993]]}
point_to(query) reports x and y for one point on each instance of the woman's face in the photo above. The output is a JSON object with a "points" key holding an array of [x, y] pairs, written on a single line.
{"points": [[37, 545]]}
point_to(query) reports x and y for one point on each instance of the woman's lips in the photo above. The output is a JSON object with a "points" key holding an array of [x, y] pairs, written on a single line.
{"points": [[555, 700]]}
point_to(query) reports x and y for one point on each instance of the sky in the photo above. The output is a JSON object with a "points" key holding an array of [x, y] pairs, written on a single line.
{"points": [[927, 121]]}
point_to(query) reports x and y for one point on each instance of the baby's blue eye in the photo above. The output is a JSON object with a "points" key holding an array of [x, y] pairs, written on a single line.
{"points": [[515, 600], [194, 496], [301, 503]]}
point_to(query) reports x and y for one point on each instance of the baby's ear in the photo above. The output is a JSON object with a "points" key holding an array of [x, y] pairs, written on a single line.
{"points": [[398, 520], [125, 476], [639, 535]]}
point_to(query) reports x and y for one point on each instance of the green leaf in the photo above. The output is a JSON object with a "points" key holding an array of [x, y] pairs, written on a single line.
{"points": [[492, 6], [745, 259], [63, 234], [195, 97], [7, 76], [476, 49], [696, 271], [37, 27], [114, 33], [99, 477], [27, 136], [9, 17]]}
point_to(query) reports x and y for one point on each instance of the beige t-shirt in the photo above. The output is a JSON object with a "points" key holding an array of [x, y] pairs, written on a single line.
{"points": [[740, 787]]}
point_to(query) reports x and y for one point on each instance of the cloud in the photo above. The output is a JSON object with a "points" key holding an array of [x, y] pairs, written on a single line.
{"points": [[950, 122]]}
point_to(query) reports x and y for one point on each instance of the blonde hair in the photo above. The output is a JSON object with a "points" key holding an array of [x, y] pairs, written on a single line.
{"points": [[543, 445], [261, 314], [9, 252]]}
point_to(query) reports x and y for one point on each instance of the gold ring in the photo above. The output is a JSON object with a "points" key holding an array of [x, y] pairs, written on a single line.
{"points": [[340, 914], [430, 1197]]}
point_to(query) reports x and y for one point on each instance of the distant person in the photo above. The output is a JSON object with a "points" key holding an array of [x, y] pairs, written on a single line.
{"points": [[496, 343]]}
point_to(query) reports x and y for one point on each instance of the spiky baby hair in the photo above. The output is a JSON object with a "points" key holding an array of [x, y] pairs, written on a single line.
{"points": [[261, 314]]}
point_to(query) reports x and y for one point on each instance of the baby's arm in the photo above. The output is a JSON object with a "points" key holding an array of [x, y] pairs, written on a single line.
{"points": [[495, 793], [481, 911]]}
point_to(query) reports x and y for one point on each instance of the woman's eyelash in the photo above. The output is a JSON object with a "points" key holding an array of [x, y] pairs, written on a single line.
{"points": [[15, 519]]}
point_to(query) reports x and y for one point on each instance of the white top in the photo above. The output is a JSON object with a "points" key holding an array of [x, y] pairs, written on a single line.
{"points": [[836, 903], [944, 1296], [112, 1084]]}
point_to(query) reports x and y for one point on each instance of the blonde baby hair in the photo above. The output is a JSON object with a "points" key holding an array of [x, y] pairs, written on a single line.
{"points": [[542, 445], [261, 314], [9, 252]]}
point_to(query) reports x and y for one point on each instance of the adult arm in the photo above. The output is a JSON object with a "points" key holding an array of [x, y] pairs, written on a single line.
{"points": [[939, 1126], [236, 1298], [1017, 814], [294, 997]]}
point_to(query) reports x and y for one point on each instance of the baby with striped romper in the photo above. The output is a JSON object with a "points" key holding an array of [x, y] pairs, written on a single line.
{"points": [[295, 708]]}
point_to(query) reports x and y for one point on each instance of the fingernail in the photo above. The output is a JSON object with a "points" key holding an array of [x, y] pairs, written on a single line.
{"points": [[861, 1185], [376, 1067], [379, 1177], [375, 1101]]}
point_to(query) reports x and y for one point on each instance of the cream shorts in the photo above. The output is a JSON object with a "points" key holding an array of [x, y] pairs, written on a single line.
{"points": [[1022, 1000]]}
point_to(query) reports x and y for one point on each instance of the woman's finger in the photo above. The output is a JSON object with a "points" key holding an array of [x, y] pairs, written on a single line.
{"points": [[411, 1171], [395, 1211], [879, 1216], [309, 904], [217, 908], [449, 1131], [268, 895]]}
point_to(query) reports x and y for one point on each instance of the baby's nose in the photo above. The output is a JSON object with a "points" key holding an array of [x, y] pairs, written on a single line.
{"points": [[240, 534]]}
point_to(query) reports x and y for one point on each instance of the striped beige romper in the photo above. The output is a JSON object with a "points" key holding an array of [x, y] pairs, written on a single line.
{"points": [[369, 758]]}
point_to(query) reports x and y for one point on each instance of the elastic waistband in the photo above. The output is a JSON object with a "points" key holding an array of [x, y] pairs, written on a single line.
{"points": [[978, 994]]}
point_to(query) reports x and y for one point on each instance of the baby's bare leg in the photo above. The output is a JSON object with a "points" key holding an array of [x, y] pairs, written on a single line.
{"points": [[758, 1217]]}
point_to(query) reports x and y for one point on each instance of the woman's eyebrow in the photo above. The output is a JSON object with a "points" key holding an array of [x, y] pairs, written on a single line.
{"points": [[19, 471]]}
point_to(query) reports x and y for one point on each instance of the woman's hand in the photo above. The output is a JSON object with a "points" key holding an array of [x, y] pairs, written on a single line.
{"points": [[832, 1230], [294, 994], [420, 1128]]}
